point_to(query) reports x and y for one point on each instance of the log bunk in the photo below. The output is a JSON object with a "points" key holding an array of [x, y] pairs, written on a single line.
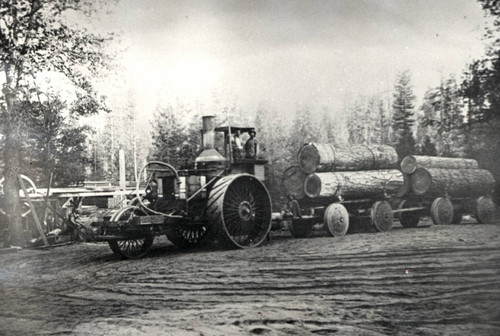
{"points": [[361, 186]]}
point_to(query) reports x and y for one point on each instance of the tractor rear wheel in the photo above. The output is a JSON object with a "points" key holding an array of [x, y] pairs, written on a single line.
{"points": [[133, 248], [239, 206]]}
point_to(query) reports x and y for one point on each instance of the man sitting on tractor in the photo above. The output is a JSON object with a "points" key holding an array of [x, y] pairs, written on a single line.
{"points": [[251, 146]]}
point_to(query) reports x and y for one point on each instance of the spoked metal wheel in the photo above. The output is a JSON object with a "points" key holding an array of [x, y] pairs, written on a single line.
{"points": [[133, 248], [187, 237], [336, 220], [381, 216], [442, 211], [240, 208]]}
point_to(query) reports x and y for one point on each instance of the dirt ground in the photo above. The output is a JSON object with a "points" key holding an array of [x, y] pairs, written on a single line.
{"points": [[430, 280]]}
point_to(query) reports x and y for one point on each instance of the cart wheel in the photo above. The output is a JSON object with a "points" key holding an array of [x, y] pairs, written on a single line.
{"points": [[240, 208], [300, 229], [381, 216], [408, 219], [336, 220], [131, 248], [485, 210], [442, 211], [189, 237]]}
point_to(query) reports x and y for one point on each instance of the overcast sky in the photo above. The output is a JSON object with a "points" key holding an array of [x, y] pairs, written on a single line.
{"points": [[281, 54]]}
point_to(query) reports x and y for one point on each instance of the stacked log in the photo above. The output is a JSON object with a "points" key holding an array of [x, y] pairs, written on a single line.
{"points": [[362, 176], [441, 180], [433, 182], [411, 163], [317, 157], [356, 184]]}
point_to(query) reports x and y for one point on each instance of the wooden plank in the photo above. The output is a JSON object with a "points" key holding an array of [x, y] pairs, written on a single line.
{"points": [[33, 212], [44, 218]]}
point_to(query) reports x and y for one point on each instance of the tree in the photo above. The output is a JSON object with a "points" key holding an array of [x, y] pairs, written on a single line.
{"points": [[428, 147], [403, 115], [34, 38], [173, 142], [481, 93], [273, 137], [368, 121], [443, 117], [302, 131], [54, 143]]}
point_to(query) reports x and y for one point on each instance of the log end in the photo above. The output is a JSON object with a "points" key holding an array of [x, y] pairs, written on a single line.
{"points": [[312, 185], [401, 189], [308, 158], [408, 164], [421, 181]]}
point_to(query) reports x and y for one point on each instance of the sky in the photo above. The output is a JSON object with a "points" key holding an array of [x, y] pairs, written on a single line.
{"points": [[284, 54]]}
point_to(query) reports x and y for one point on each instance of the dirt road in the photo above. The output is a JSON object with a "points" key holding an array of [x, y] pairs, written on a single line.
{"points": [[425, 281]]}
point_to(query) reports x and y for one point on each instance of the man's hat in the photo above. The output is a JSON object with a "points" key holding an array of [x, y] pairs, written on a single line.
{"points": [[252, 131]]}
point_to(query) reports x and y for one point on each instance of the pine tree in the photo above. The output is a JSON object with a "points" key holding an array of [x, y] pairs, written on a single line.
{"points": [[428, 147], [443, 118], [302, 130], [481, 93], [403, 115], [173, 142]]}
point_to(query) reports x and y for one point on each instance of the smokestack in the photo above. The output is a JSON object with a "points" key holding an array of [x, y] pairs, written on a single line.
{"points": [[209, 153]]}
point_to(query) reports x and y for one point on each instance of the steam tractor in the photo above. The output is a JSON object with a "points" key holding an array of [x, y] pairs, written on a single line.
{"points": [[222, 198]]}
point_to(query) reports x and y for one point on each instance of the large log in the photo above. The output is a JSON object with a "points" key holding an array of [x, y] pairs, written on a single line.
{"points": [[356, 185], [318, 157], [433, 182], [410, 163], [293, 182]]}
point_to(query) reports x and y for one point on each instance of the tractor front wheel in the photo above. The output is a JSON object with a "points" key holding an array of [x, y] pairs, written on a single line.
{"points": [[133, 248]]}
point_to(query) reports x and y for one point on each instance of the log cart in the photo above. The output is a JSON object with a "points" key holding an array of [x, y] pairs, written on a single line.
{"points": [[343, 186], [349, 200], [222, 198], [448, 193]]}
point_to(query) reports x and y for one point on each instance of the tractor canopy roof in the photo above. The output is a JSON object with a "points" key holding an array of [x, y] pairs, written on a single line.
{"points": [[233, 129]]}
